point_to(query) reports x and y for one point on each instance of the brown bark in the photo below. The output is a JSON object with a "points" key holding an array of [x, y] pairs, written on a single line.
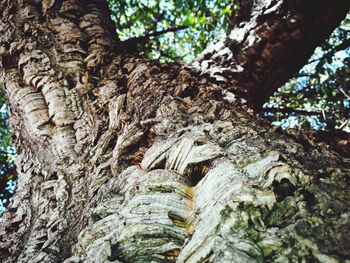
{"points": [[122, 159], [272, 40]]}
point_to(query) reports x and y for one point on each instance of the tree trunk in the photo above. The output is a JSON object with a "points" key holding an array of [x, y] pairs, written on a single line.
{"points": [[122, 159]]}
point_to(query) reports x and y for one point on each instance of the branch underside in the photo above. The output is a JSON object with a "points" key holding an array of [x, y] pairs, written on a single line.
{"points": [[122, 159], [270, 44]]}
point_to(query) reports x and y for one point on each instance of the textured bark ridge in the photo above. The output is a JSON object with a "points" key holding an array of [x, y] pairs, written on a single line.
{"points": [[122, 159]]}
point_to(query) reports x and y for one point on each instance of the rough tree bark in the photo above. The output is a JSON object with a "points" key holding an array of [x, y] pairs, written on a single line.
{"points": [[122, 159]]}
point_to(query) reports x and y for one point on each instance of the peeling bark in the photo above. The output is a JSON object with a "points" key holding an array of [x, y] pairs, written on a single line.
{"points": [[122, 159]]}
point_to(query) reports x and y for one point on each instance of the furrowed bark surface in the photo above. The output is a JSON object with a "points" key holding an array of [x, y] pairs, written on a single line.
{"points": [[122, 159]]}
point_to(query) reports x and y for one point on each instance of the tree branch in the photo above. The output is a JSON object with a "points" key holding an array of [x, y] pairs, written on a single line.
{"points": [[6, 152], [265, 50], [132, 43], [334, 50], [290, 110]]}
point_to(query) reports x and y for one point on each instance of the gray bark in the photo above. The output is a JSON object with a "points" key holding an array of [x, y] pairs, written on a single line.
{"points": [[122, 159]]}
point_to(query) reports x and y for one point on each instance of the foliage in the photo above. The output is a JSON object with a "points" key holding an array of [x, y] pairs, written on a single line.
{"points": [[204, 20], [7, 157]]}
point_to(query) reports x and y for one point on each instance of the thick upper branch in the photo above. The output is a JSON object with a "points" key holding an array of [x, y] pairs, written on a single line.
{"points": [[270, 44]]}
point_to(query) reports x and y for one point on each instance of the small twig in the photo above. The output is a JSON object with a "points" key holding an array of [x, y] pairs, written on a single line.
{"points": [[344, 93], [6, 152], [131, 43], [323, 114], [163, 54], [155, 34], [343, 124], [289, 110], [345, 44]]}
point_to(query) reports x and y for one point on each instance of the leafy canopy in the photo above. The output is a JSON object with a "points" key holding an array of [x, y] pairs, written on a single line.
{"points": [[8, 175], [196, 23]]}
